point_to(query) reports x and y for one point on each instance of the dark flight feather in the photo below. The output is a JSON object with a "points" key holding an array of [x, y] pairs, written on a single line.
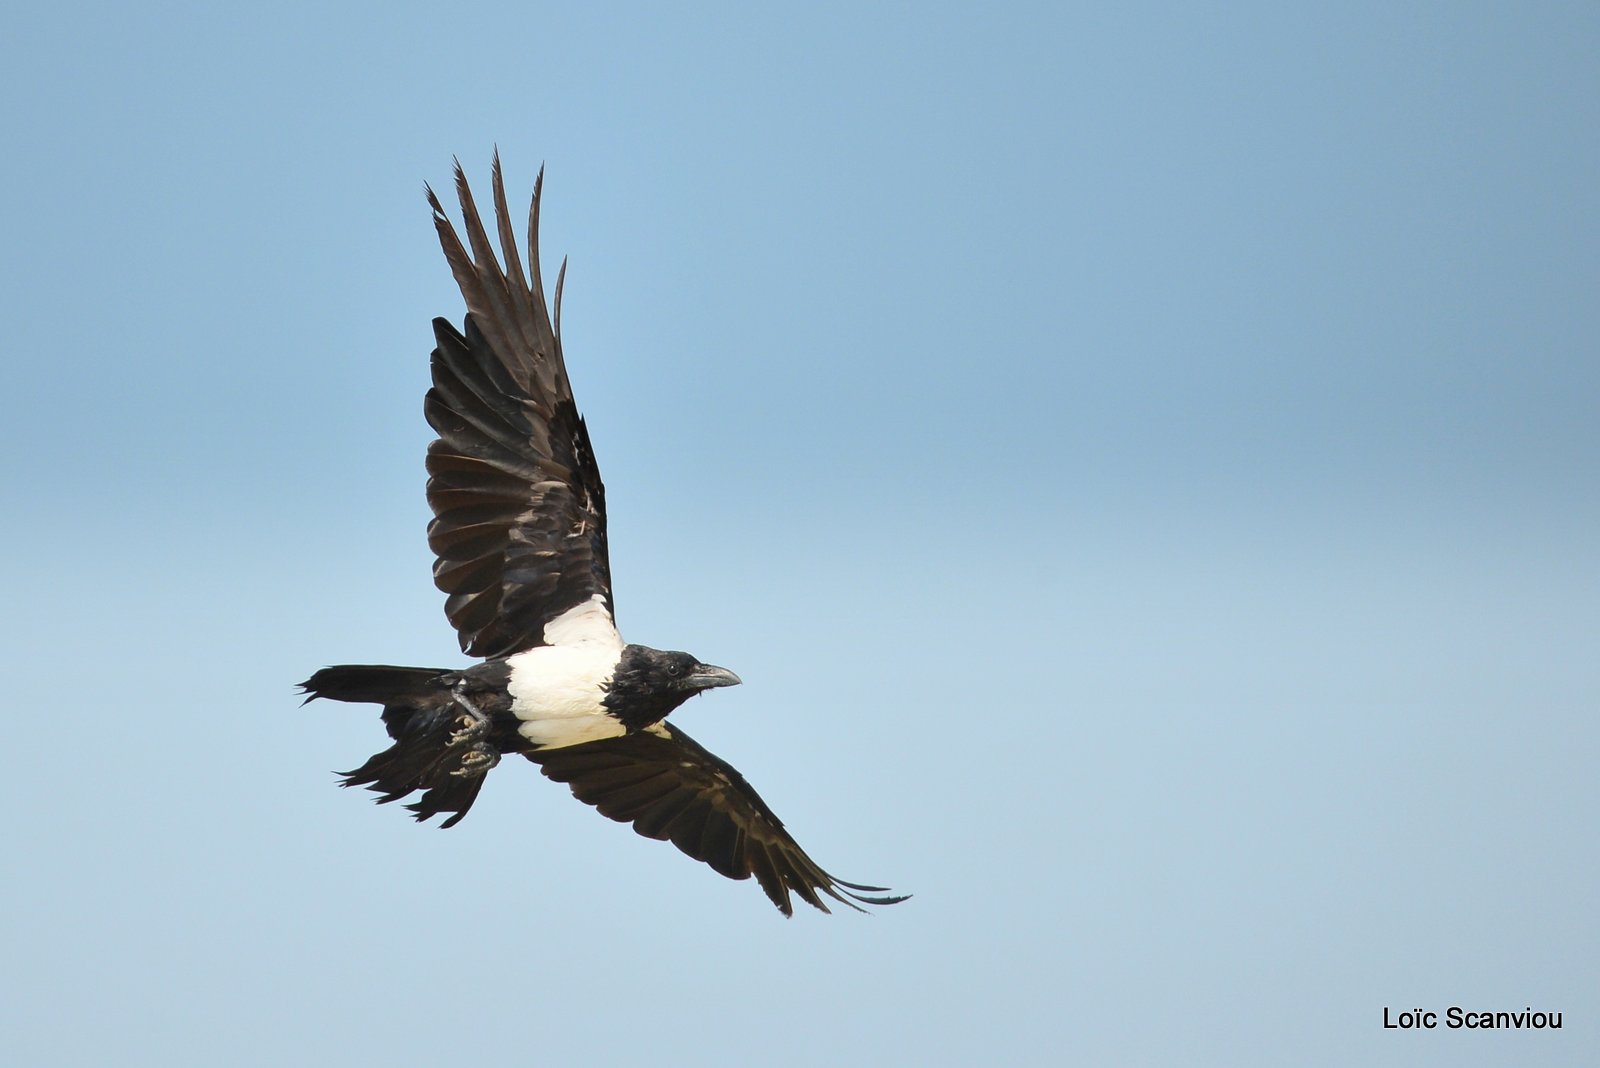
{"points": [[519, 527], [672, 789]]}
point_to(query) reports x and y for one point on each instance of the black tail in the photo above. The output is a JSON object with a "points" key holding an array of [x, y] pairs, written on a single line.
{"points": [[421, 714]]}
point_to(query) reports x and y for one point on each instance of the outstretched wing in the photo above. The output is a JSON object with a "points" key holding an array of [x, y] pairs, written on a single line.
{"points": [[670, 788], [519, 525]]}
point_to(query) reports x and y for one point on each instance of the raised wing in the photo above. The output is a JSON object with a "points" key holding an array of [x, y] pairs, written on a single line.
{"points": [[671, 789], [519, 510]]}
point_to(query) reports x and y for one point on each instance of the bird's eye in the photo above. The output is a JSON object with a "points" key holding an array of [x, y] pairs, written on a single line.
{"points": [[674, 670]]}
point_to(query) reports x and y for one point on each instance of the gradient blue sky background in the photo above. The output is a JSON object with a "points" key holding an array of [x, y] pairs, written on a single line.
{"points": [[1141, 458]]}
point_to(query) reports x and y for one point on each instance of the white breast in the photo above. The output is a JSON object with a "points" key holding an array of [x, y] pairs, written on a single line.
{"points": [[557, 688]]}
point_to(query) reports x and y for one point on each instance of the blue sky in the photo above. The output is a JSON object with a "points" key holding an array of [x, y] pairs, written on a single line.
{"points": [[1141, 458]]}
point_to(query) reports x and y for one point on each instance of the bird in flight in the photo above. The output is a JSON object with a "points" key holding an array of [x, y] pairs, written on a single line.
{"points": [[519, 535]]}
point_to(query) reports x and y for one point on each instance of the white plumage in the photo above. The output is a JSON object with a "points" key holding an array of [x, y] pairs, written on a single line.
{"points": [[557, 688]]}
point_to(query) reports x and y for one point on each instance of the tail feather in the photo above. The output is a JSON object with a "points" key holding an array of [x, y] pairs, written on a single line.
{"points": [[420, 714], [379, 684]]}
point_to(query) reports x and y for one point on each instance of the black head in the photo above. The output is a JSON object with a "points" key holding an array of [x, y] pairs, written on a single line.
{"points": [[649, 683]]}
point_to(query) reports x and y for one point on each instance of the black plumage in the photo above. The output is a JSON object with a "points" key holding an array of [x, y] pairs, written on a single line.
{"points": [[519, 525], [519, 535], [671, 788]]}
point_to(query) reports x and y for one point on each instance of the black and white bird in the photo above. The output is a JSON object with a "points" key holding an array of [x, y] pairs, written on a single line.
{"points": [[519, 532]]}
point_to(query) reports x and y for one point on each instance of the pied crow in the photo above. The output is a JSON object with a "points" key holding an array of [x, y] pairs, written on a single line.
{"points": [[519, 536]]}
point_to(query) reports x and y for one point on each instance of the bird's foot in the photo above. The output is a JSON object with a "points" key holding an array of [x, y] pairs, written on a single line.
{"points": [[470, 724], [477, 761]]}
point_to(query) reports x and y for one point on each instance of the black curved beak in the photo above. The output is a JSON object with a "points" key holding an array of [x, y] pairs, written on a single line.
{"points": [[706, 677]]}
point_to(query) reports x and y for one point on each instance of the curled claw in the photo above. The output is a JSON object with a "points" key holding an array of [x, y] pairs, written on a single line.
{"points": [[478, 760], [471, 725]]}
